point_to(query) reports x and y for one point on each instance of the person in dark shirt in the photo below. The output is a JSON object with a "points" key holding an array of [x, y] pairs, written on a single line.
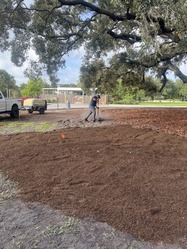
{"points": [[93, 106]]}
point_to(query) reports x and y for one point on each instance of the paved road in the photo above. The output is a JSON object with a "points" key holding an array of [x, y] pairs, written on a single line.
{"points": [[66, 106]]}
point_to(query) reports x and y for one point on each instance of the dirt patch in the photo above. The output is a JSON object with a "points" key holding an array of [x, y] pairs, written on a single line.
{"points": [[133, 177]]}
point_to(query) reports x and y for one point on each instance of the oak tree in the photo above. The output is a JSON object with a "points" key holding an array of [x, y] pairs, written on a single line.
{"points": [[7, 83], [141, 34]]}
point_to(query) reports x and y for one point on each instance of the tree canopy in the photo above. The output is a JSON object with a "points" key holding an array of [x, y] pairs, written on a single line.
{"points": [[142, 35], [33, 88], [7, 83]]}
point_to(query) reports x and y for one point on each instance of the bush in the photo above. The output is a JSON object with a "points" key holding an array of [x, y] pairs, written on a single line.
{"points": [[51, 101], [124, 102], [129, 99]]}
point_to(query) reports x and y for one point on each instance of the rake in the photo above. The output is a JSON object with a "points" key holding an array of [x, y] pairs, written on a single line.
{"points": [[98, 117]]}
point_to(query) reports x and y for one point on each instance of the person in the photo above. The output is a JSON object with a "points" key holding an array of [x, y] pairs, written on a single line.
{"points": [[93, 106]]}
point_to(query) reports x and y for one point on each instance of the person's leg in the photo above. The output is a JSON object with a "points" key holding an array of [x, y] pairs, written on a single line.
{"points": [[86, 119], [90, 113], [94, 112]]}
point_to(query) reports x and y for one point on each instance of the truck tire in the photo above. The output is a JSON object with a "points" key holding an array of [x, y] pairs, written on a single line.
{"points": [[14, 112], [41, 111], [30, 110]]}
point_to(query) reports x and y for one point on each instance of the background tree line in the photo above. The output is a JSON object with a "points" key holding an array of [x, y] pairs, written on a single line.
{"points": [[121, 91], [33, 88], [174, 90]]}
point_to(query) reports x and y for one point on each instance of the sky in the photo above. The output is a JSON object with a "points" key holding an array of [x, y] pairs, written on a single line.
{"points": [[68, 75]]}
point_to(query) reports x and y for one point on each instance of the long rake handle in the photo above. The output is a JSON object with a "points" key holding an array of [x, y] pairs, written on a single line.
{"points": [[98, 111]]}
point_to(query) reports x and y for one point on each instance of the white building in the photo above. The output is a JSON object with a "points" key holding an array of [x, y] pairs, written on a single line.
{"points": [[64, 90]]}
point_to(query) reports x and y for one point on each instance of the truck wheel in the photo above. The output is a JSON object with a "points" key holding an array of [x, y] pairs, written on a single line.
{"points": [[14, 112], [30, 111], [41, 111]]}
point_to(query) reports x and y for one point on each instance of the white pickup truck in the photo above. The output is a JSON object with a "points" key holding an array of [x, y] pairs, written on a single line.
{"points": [[10, 106]]}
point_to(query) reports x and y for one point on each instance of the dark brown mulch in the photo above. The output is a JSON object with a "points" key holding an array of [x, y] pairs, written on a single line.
{"points": [[132, 178]]}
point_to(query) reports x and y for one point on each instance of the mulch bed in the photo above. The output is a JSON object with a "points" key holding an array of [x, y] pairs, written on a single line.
{"points": [[132, 178]]}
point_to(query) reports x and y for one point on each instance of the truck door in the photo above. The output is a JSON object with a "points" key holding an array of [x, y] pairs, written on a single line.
{"points": [[2, 103]]}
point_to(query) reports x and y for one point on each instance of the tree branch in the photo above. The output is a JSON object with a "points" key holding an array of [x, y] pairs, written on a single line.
{"points": [[163, 80], [128, 37], [96, 9], [177, 72], [127, 16]]}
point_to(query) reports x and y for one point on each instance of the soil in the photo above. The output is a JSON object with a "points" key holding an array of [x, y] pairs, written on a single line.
{"points": [[120, 182]]}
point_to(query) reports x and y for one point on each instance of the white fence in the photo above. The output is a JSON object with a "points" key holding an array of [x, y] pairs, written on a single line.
{"points": [[71, 98]]}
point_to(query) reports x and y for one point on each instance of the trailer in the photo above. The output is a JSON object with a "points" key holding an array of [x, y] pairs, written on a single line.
{"points": [[32, 105]]}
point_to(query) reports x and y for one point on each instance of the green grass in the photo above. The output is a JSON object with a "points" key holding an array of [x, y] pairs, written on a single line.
{"points": [[44, 126], [158, 103], [67, 226], [18, 126], [177, 103]]}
